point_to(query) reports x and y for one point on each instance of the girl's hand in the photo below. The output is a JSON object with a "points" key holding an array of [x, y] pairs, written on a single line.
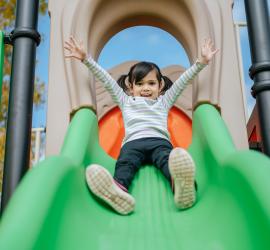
{"points": [[75, 48], [208, 51]]}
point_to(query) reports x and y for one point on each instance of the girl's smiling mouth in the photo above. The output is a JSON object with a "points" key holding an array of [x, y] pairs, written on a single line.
{"points": [[146, 95]]}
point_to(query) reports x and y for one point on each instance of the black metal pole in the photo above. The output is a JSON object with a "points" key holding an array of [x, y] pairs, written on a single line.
{"points": [[24, 38], [258, 23]]}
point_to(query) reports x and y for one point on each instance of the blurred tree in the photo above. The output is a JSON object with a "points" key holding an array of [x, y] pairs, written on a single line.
{"points": [[7, 22]]}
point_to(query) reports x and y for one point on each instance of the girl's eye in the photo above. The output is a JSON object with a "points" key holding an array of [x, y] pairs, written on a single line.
{"points": [[152, 83], [138, 83]]}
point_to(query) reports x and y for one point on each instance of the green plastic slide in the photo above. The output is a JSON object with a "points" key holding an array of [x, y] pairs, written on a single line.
{"points": [[53, 209]]}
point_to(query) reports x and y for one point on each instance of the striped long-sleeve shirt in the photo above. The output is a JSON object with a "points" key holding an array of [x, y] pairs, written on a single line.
{"points": [[144, 117]]}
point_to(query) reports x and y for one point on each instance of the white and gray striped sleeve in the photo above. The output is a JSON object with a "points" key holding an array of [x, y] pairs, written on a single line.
{"points": [[171, 95], [117, 93]]}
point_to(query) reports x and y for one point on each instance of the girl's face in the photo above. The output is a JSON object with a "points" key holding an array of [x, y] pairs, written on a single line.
{"points": [[148, 87]]}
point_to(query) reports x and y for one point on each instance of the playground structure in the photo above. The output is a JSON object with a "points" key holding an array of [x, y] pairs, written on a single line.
{"points": [[53, 204], [95, 22]]}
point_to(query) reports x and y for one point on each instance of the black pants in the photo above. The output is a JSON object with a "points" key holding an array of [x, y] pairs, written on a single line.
{"points": [[135, 153]]}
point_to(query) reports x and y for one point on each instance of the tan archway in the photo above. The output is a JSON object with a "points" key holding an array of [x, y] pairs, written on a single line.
{"points": [[71, 86]]}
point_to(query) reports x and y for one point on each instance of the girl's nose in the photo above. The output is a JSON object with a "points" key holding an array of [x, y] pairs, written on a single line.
{"points": [[145, 87]]}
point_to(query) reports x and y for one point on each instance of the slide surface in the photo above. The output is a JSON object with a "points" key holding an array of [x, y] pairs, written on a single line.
{"points": [[53, 208]]}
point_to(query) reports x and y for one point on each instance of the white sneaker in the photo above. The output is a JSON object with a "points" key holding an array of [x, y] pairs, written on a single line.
{"points": [[101, 183], [182, 169]]}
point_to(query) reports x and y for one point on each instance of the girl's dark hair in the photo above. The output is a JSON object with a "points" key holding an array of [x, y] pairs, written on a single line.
{"points": [[138, 71]]}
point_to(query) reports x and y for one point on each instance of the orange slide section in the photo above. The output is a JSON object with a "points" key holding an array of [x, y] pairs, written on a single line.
{"points": [[111, 130]]}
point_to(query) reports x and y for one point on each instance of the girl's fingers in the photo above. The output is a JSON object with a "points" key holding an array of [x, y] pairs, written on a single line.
{"points": [[71, 41], [215, 51], [75, 42], [73, 56], [69, 56], [68, 48], [208, 48], [210, 44], [69, 44]]}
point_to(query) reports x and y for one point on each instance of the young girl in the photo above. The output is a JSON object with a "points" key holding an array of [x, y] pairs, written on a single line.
{"points": [[145, 113]]}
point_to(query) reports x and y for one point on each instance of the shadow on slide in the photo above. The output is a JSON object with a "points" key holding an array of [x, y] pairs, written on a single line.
{"points": [[53, 209]]}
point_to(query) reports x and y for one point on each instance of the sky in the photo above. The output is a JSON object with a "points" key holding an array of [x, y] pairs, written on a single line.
{"points": [[154, 40]]}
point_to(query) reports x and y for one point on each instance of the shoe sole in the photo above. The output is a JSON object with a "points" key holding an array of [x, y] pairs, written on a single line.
{"points": [[182, 169], [102, 185]]}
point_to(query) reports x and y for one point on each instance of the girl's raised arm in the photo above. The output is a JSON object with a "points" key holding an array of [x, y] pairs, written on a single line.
{"points": [[77, 51], [207, 53]]}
